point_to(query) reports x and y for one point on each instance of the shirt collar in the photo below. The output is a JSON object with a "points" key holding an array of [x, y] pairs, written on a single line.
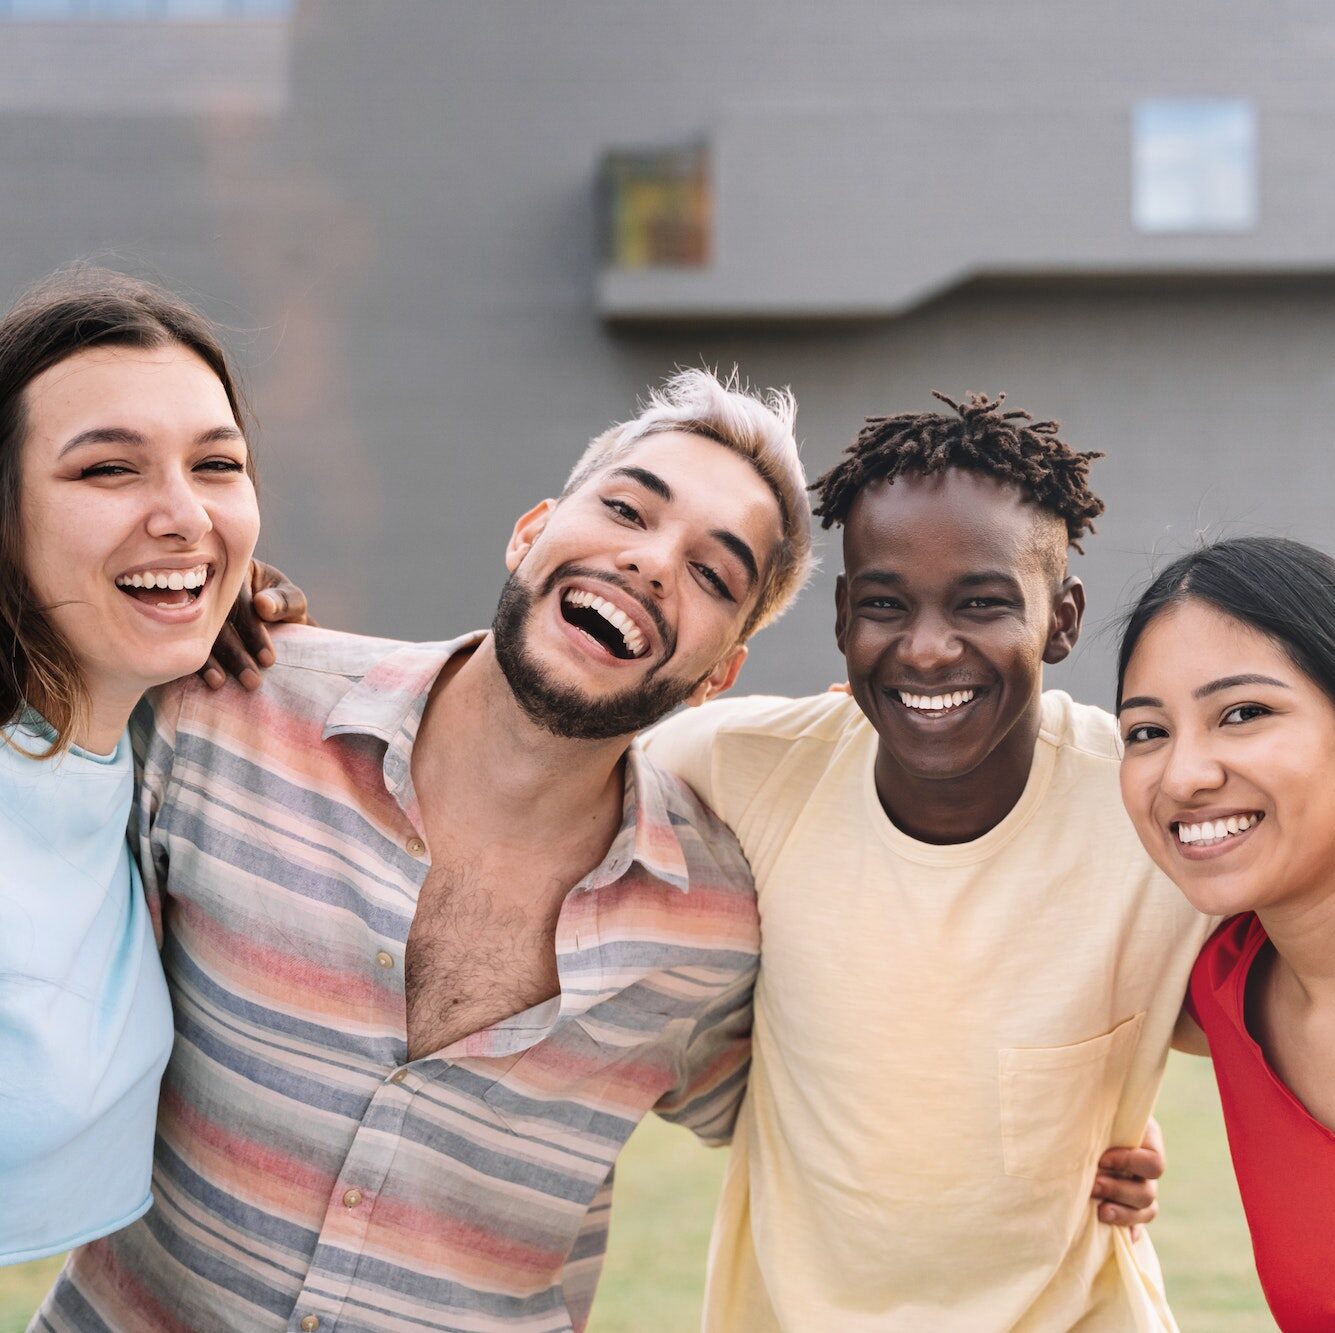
{"points": [[648, 834], [389, 700]]}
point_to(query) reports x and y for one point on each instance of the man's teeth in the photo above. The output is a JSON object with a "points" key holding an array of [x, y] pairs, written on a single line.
{"points": [[1216, 830], [935, 703], [635, 642], [176, 579]]}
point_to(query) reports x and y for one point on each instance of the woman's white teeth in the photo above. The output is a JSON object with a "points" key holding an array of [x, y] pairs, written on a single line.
{"points": [[175, 579], [935, 703], [1216, 830], [635, 642]]}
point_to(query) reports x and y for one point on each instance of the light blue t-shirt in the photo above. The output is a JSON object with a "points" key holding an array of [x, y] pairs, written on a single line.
{"points": [[85, 1021]]}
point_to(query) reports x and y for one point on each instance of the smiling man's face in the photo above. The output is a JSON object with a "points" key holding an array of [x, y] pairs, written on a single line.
{"points": [[953, 596], [630, 595]]}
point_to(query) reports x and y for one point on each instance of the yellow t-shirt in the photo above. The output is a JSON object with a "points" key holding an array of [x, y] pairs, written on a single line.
{"points": [[946, 1037]]}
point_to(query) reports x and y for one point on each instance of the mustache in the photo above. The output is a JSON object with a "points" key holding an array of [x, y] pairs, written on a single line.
{"points": [[570, 570]]}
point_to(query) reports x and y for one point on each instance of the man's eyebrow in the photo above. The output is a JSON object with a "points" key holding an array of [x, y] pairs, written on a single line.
{"points": [[989, 576], [1204, 691], [120, 435], [651, 481], [1228, 682], [886, 576], [741, 550]]}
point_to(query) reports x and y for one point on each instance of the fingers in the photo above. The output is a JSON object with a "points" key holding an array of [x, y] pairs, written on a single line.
{"points": [[1134, 1195], [252, 636], [277, 599], [1115, 1215], [212, 673], [231, 657], [1145, 1163]]}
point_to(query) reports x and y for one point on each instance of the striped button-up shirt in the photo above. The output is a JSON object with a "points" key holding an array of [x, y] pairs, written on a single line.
{"points": [[308, 1176]]}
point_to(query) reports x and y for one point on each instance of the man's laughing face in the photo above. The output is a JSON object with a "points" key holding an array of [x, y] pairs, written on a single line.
{"points": [[953, 596], [630, 595]]}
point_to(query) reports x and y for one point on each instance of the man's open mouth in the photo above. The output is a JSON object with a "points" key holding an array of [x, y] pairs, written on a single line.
{"points": [[168, 588], [935, 705], [604, 623]]}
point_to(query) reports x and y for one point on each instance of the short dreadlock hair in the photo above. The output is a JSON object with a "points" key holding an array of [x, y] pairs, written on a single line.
{"points": [[980, 437]]}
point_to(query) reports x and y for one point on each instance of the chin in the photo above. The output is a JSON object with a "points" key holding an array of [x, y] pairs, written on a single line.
{"points": [[1217, 897]]}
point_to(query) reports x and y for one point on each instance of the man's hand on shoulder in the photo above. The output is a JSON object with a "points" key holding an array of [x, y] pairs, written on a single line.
{"points": [[244, 648], [1127, 1184]]}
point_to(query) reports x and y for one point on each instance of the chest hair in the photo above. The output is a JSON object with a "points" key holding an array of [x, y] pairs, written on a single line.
{"points": [[482, 947]]}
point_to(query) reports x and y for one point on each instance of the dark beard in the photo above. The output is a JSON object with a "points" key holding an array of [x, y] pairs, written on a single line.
{"points": [[561, 709]]}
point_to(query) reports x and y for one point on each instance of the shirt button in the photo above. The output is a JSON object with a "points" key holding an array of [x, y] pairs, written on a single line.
{"points": [[398, 1076], [310, 1323], [352, 1198], [416, 847], [384, 959]]}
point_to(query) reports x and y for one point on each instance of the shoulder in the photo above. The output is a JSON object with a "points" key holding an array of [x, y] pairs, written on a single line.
{"points": [[312, 668], [763, 719], [308, 649], [713, 857], [1229, 949], [1081, 729], [729, 748]]}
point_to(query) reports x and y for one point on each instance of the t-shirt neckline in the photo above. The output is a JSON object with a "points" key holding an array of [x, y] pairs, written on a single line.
{"points": [[978, 849]]}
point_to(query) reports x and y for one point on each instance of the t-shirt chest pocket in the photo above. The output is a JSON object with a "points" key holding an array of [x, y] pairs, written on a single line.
{"points": [[1058, 1102]]}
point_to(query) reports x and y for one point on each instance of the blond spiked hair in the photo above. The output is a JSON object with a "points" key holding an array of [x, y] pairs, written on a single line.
{"points": [[757, 425]]}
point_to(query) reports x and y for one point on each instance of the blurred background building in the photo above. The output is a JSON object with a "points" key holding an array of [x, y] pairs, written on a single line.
{"points": [[454, 239]]}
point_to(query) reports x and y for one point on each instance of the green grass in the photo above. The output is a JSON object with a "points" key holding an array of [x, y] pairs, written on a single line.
{"points": [[666, 1186]]}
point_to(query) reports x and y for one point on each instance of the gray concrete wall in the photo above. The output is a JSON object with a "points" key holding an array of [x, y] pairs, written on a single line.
{"points": [[404, 245]]}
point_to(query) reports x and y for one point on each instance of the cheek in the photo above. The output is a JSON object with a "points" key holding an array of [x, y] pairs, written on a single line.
{"points": [[236, 520], [1139, 783], [66, 543]]}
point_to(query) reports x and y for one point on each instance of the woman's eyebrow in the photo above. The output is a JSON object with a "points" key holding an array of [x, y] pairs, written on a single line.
{"points": [[1205, 691], [1228, 682], [120, 435]]}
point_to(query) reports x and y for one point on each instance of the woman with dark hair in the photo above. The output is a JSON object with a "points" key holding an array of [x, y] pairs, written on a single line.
{"points": [[127, 522], [1226, 706]]}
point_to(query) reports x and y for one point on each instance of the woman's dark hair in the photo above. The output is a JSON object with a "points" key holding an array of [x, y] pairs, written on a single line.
{"points": [[73, 310], [1282, 588]]}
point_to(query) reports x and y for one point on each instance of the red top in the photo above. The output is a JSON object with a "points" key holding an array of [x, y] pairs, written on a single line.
{"points": [[1284, 1159]]}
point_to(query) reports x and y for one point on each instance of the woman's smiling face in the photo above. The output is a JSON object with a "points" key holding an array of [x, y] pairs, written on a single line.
{"points": [[1229, 764], [134, 476]]}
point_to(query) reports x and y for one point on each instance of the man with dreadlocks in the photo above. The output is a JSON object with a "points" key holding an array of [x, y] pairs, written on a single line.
{"points": [[971, 971]]}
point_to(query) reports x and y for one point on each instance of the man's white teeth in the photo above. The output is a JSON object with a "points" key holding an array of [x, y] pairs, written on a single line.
{"points": [[635, 642], [1216, 830], [176, 579], [935, 703]]}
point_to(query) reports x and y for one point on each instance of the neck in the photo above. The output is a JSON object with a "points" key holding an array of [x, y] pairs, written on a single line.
{"points": [[1303, 934], [960, 809], [103, 724], [479, 754]]}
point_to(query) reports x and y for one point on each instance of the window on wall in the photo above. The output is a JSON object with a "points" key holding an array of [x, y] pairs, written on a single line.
{"points": [[657, 209], [62, 10], [1194, 165]]}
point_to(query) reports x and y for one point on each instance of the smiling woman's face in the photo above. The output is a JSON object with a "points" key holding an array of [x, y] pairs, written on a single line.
{"points": [[1229, 765], [138, 515]]}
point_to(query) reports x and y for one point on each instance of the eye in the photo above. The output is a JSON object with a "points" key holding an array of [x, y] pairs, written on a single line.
{"points": [[220, 465], [882, 604], [712, 578], [106, 470], [623, 510], [1244, 713], [984, 603], [1145, 731]]}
